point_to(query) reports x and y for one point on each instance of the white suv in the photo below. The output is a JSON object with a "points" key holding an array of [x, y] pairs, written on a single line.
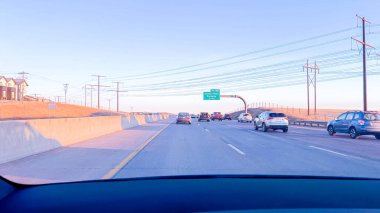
{"points": [[271, 120], [245, 117]]}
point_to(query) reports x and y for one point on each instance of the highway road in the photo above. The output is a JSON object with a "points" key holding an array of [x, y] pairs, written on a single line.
{"points": [[221, 147]]}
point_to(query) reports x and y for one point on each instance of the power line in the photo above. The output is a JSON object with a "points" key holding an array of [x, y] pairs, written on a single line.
{"points": [[243, 54], [239, 78], [143, 76]]}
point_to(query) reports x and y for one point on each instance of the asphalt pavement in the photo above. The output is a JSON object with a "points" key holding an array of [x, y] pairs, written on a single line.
{"points": [[229, 147], [220, 147]]}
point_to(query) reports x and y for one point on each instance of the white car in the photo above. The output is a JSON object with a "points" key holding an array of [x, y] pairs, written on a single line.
{"points": [[245, 117], [271, 120]]}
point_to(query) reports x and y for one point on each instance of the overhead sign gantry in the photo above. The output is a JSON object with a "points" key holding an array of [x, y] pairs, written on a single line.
{"points": [[214, 94]]}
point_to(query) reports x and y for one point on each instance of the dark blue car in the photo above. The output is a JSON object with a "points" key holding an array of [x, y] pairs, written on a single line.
{"points": [[356, 123]]}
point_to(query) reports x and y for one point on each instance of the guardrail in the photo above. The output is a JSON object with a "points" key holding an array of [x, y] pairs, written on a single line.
{"points": [[308, 123]]}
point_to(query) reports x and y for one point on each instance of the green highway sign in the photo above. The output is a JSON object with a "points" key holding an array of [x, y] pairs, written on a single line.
{"points": [[214, 94]]}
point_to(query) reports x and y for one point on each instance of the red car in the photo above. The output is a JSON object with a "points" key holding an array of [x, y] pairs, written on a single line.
{"points": [[227, 117], [217, 116], [183, 117]]}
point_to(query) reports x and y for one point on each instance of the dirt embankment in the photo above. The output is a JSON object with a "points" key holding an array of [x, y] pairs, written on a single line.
{"points": [[29, 110], [298, 113]]}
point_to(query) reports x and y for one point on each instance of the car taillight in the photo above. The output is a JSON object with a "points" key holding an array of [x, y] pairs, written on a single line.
{"points": [[187, 117], [270, 118], [286, 118], [361, 122]]}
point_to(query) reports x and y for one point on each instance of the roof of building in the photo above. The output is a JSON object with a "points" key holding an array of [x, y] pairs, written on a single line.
{"points": [[17, 81], [20, 81], [10, 79]]}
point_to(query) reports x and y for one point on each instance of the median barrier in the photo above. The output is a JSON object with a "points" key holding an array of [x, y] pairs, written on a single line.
{"points": [[23, 138], [308, 123]]}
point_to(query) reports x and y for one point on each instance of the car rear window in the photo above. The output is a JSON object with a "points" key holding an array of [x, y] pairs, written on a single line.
{"points": [[372, 116], [183, 114], [274, 114], [246, 114]]}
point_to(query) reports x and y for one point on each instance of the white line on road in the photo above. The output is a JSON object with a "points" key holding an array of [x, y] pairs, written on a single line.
{"points": [[327, 150], [236, 149]]}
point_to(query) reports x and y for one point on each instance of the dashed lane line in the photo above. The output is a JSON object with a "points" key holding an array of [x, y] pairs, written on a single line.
{"points": [[334, 152], [236, 149]]}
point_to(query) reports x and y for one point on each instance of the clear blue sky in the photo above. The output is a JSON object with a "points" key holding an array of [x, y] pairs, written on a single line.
{"points": [[68, 41]]}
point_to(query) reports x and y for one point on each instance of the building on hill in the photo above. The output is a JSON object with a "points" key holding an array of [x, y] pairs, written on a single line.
{"points": [[12, 89]]}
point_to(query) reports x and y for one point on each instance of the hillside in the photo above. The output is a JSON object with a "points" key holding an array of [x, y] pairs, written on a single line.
{"points": [[33, 109], [298, 113]]}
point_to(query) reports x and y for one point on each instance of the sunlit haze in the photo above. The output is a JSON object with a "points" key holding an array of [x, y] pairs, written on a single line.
{"points": [[59, 42]]}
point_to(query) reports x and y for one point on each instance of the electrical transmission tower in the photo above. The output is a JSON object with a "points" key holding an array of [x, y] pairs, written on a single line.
{"points": [[364, 48], [311, 80]]}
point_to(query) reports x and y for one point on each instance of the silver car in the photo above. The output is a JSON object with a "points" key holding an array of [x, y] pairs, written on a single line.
{"points": [[245, 117], [271, 120]]}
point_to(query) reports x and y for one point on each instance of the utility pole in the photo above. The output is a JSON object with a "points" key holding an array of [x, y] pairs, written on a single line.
{"points": [[311, 80], [117, 93], [85, 95], [109, 104], [57, 98], [98, 85], [91, 87], [35, 95], [365, 45], [308, 84], [23, 77], [65, 87]]}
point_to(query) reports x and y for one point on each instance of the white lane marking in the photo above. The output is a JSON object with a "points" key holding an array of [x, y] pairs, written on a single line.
{"points": [[327, 150], [207, 130], [236, 149]]}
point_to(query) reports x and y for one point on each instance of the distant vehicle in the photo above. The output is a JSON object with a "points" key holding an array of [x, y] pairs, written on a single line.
{"points": [[227, 117], [183, 117], [217, 116], [272, 120], [193, 116], [204, 116], [356, 123], [245, 117]]}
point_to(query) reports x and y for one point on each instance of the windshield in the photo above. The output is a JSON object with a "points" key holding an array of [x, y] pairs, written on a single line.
{"points": [[98, 90]]}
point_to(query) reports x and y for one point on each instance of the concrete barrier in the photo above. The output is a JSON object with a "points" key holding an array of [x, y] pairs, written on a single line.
{"points": [[23, 138]]}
